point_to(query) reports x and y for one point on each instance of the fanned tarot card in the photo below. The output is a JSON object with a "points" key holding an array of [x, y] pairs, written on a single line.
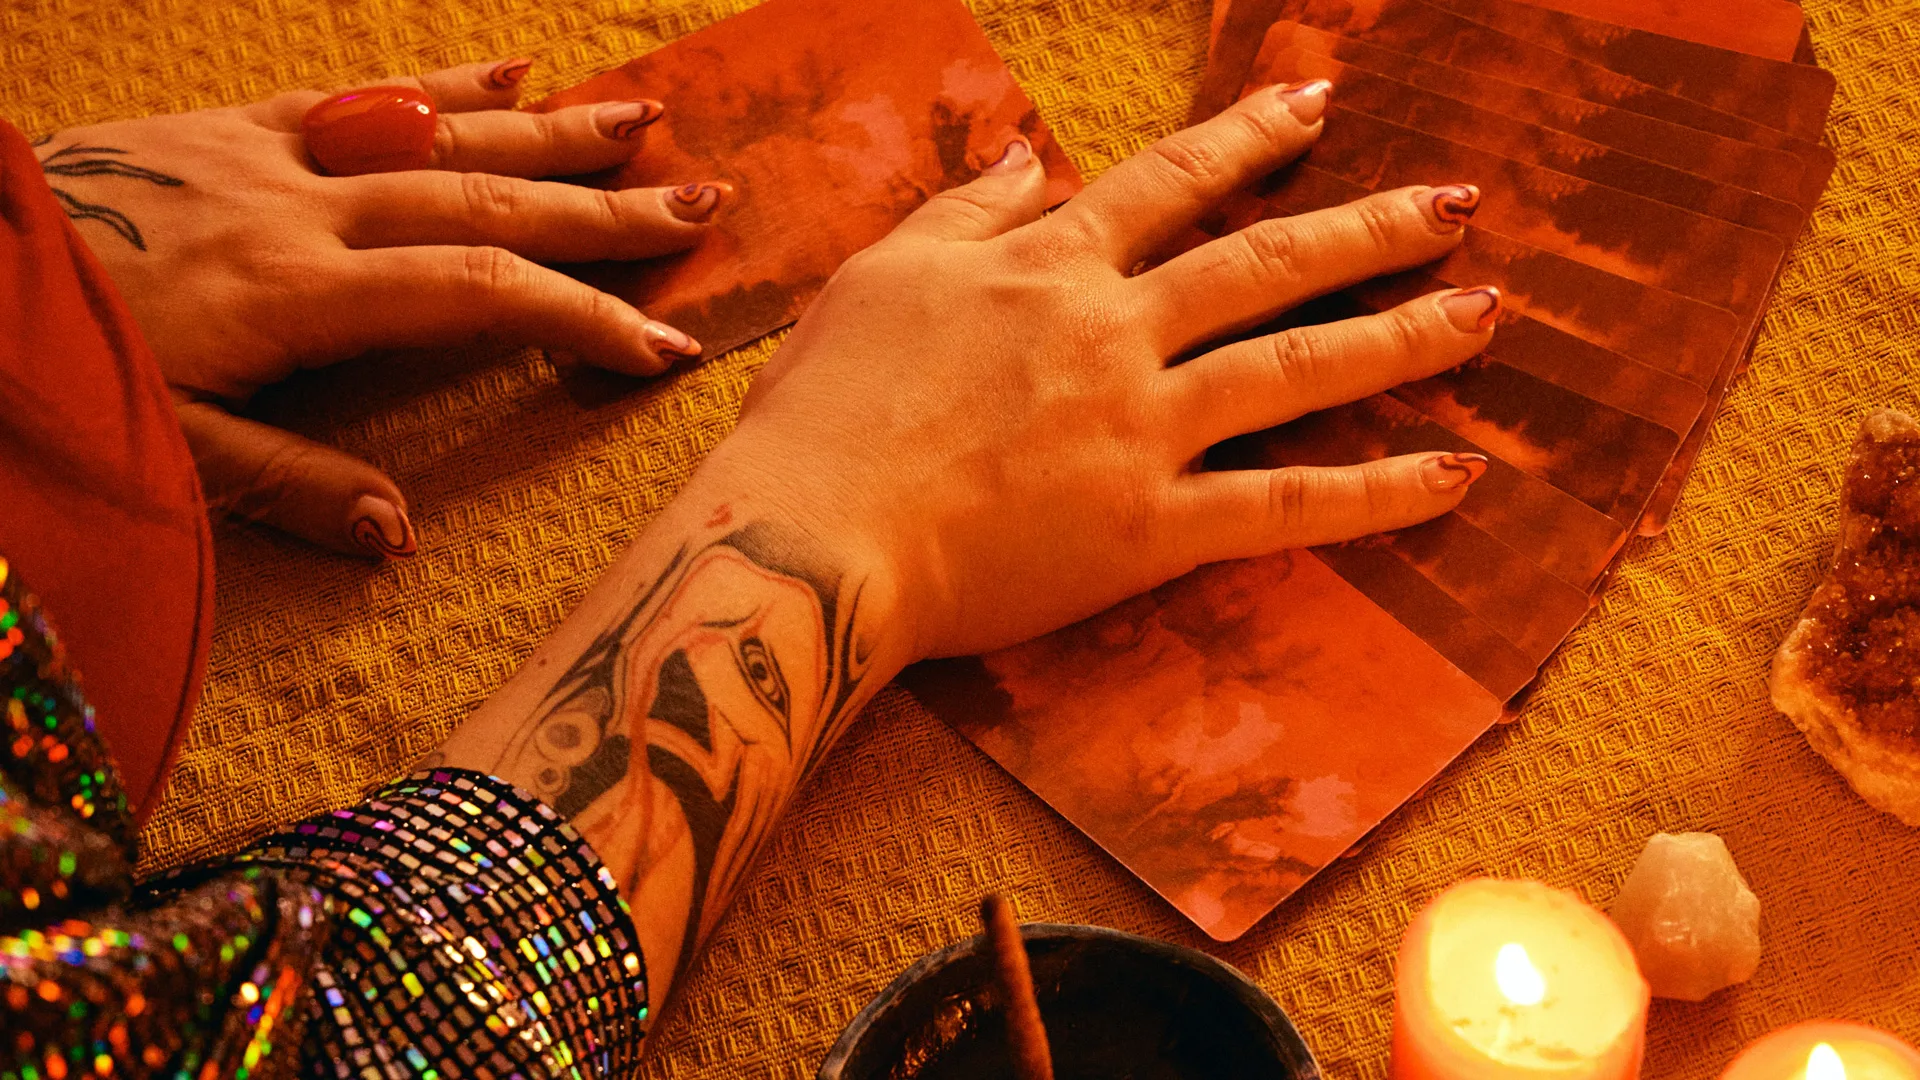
{"points": [[1645, 167], [833, 120], [1769, 28]]}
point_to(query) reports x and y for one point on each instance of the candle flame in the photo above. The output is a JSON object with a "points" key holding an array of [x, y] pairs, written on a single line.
{"points": [[1524, 985], [1825, 1064]]}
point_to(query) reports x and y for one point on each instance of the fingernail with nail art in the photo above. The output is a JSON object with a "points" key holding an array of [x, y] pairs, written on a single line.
{"points": [[625, 120], [697, 202], [1443, 473], [670, 343], [1449, 207], [1472, 310], [380, 528], [1307, 101], [1015, 157], [508, 74]]}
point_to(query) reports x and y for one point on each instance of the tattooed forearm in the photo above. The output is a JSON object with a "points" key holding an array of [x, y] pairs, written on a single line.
{"points": [[674, 739], [76, 160]]}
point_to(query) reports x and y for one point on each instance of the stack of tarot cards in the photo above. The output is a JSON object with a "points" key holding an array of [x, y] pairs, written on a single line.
{"points": [[1645, 169]]}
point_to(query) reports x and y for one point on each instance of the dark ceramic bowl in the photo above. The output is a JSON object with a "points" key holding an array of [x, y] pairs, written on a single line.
{"points": [[1117, 1007]]}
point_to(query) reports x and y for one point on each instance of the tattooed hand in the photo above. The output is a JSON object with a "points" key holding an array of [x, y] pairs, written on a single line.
{"points": [[977, 434], [242, 264]]}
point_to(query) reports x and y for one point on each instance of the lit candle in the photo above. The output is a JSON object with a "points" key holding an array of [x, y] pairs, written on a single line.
{"points": [[1826, 1050], [1510, 980]]}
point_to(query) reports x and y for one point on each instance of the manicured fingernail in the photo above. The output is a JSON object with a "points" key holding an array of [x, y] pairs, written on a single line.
{"points": [[1307, 101], [1472, 310], [1015, 157], [380, 527], [1450, 472], [671, 344], [625, 120], [1448, 208], [508, 74], [697, 202]]}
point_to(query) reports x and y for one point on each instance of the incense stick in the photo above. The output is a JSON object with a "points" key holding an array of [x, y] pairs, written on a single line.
{"points": [[1026, 1034]]}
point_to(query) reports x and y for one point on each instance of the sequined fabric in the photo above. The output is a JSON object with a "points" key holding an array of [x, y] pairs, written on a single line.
{"points": [[450, 926], [477, 935]]}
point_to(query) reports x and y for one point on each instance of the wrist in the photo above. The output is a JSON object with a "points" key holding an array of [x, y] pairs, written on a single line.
{"points": [[813, 520]]}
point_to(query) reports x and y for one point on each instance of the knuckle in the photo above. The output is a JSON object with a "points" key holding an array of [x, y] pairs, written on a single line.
{"points": [[1078, 234], [1380, 223], [1060, 241], [1137, 518], [1406, 330], [1289, 498], [1194, 160], [1270, 251], [547, 134], [492, 270], [877, 264], [281, 476], [489, 196], [1297, 360], [446, 143], [601, 308], [964, 203], [1378, 491], [620, 211], [1261, 124]]}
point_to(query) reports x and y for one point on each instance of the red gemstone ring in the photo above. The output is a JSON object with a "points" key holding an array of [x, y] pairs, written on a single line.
{"points": [[379, 129]]}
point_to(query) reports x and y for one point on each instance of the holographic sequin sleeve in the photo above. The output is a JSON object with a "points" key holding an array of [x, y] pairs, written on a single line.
{"points": [[450, 926], [475, 934]]}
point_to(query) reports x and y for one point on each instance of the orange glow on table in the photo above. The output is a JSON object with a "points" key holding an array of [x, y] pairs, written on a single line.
{"points": [[1826, 1050], [1513, 980]]}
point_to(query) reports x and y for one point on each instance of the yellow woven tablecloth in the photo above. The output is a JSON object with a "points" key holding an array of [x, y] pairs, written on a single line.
{"points": [[328, 675]]}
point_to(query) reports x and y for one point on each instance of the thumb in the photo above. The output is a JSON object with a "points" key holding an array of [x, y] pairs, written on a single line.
{"points": [[259, 473], [1009, 193]]}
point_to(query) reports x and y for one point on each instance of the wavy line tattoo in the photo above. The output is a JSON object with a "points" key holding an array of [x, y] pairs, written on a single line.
{"points": [[675, 738], [78, 160]]}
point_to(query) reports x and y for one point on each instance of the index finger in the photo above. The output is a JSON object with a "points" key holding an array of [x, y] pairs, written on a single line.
{"points": [[1143, 203], [490, 84]]}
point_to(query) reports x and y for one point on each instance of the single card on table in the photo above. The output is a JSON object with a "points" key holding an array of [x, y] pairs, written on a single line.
{"points": [[833, 120], [1225, 736], [1769, 28]]}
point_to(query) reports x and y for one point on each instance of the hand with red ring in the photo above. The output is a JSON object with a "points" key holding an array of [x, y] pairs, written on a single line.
{"points": [[243, 263]]}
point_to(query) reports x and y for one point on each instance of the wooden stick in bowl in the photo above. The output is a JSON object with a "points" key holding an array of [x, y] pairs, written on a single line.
{"points": [[1026, 1034]]}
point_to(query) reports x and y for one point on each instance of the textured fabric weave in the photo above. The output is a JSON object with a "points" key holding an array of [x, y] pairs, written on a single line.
{"points": [[329, 676]]}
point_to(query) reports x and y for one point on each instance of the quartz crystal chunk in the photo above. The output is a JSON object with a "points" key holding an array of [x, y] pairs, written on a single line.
{"points": [[1693, 923]]}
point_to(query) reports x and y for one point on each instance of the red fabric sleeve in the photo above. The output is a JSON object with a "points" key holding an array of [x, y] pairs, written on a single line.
{"points": [[100, 506]]}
